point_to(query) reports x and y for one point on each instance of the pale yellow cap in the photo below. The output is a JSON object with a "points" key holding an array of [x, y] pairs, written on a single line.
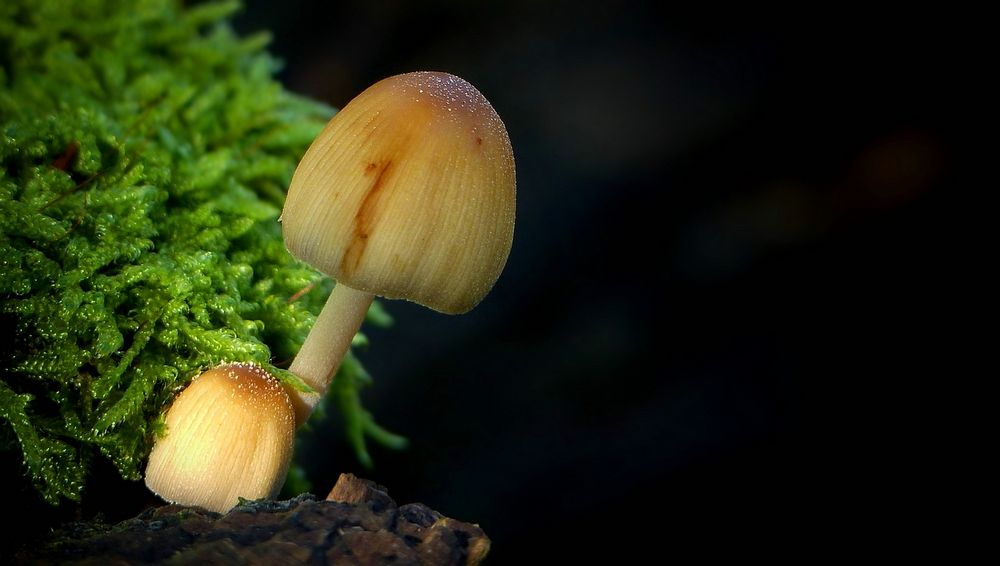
{"points": [[229, 435], [408, 193]]}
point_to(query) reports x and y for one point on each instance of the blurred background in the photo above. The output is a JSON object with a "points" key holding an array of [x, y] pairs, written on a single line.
{"points": [[711, 326]]}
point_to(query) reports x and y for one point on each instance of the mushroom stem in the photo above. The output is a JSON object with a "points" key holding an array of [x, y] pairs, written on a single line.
{"points": [[325, 346]]}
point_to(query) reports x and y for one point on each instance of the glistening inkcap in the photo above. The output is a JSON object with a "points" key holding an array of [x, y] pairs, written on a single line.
{"points": [[408, 193]]}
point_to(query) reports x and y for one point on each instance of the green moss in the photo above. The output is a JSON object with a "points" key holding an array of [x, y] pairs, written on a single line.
{"points": [[144, 154]]}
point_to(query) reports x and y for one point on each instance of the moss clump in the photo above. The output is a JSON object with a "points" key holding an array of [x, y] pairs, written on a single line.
{"points": [[144, 153]]}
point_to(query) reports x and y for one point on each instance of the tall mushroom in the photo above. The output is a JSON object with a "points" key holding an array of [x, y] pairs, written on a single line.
{"points": [[229, 435], [407, 193]]}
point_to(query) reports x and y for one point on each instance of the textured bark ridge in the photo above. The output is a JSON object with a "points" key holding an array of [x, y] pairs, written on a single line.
{"points": [[358, 524]]}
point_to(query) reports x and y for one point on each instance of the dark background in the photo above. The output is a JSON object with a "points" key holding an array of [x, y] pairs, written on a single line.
{"points": [[713, 326], [725, 289]]}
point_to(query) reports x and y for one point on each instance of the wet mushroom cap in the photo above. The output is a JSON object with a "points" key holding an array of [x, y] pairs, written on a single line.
{"points": [[409, 192], [229, 434]]}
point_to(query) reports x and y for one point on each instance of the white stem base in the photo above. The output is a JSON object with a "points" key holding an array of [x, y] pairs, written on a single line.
{"points": [[326, 345]]}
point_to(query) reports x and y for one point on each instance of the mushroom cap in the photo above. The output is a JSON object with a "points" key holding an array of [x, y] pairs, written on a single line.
{"points": [[408, 193], [229, 435]]}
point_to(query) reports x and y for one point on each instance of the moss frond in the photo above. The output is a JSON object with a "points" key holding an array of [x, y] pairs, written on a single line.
{"points": [[144, 153]]}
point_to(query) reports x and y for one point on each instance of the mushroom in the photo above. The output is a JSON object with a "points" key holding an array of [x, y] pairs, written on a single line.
{"points": [[229, 435], [407, 193]]}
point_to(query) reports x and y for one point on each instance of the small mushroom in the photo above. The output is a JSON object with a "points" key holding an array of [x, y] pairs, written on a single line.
{"points": [[229, 435], [408, 193]]}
